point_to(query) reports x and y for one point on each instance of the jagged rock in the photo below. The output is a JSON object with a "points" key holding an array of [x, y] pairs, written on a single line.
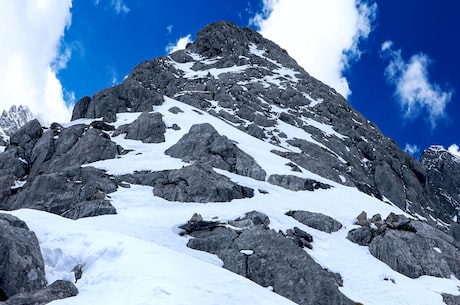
{"points": [[361, 236], [13, 119], [300, 237], [295, 183], [270, 259], [56, 291], [455, 231], [76, 145], [12, 162], [21, 263], [362, 220], [251, 220], [175, 110], [451, 299], [27, 136], [148, 128], [317, 221], [194, 183], [204, 144], [443, 175], [399, 222], [70, 193], [102, 126], [429, 251], [129, 96]]}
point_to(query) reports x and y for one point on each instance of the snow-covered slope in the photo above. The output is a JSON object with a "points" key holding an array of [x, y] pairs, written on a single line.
{"points": [[138, 256]]}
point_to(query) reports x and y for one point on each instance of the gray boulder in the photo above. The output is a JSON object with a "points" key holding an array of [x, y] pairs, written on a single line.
{"points": [[204, 144], [295, 183], [197, 183], [56, 291], [74, 192], [317, 221], [22, 268], [27, 136], [361, 236], [451, 299], [429, 251], [148, 128], [271, 259]]}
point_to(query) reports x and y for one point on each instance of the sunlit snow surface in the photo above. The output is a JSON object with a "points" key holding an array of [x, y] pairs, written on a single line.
{"points": [[137, 257]]}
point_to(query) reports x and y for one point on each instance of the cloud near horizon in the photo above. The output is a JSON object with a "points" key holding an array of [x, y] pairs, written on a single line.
{"points": [[323, 36], [180, 44], [416, 94], [31, 56], [454, 149]]}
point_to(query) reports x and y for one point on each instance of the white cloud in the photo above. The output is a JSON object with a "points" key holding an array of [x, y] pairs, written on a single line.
{"points": [[169, 29], [454, 149], [323, 36], [30, 32], [416, 93], [180, 44], [119, 7], [412, 149]]}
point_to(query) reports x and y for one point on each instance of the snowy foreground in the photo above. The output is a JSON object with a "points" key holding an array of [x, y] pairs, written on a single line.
{"points": [[137, 257]]}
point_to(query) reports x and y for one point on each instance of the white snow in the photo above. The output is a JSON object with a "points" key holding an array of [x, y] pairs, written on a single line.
{"points": [[137, 257]]}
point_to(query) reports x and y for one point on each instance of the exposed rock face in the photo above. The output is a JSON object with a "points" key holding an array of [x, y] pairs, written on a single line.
{"points": [[21, 264], [295, 183], [316, 220], [130, 96], [56, 291], [443, 171], [195, 183], [148, 128], [204, 144], [413, 248], [270, 259], [74, 193]]}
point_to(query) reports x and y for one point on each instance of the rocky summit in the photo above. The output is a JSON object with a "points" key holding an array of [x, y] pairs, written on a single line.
{"points": [[224, 173]]}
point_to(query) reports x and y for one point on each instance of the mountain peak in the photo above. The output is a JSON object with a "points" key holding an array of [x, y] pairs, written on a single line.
{"points": [[224, 38], [12, 120]]}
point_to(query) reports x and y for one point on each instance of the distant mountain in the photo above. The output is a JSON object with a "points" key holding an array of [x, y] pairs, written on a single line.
{"points": [[12, 120], [225, 156]]}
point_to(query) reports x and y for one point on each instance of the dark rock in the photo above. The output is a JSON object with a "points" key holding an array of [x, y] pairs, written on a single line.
{"points": [[129, 96], [362, 220], [175, 110], [451, 299], [56, 291], [399, 222], [251, 220], [427, 252], [102, 126], [443, 176], [361, 236], [204, 144], [455, 231], [270, 259], [317, 221], [27, 136], [22, 268], [195, 183], [71, 192], [295, 183], [148, 128], [300, 237]]}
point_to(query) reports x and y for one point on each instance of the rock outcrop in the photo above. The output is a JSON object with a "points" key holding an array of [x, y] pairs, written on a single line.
{"points": [[270, 259], [204, 144], [194, 183], [317, 221], [22, 269], [413, 248]]}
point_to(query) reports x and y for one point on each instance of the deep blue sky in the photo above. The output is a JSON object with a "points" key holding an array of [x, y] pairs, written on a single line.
{"points": [[106, 46]]}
